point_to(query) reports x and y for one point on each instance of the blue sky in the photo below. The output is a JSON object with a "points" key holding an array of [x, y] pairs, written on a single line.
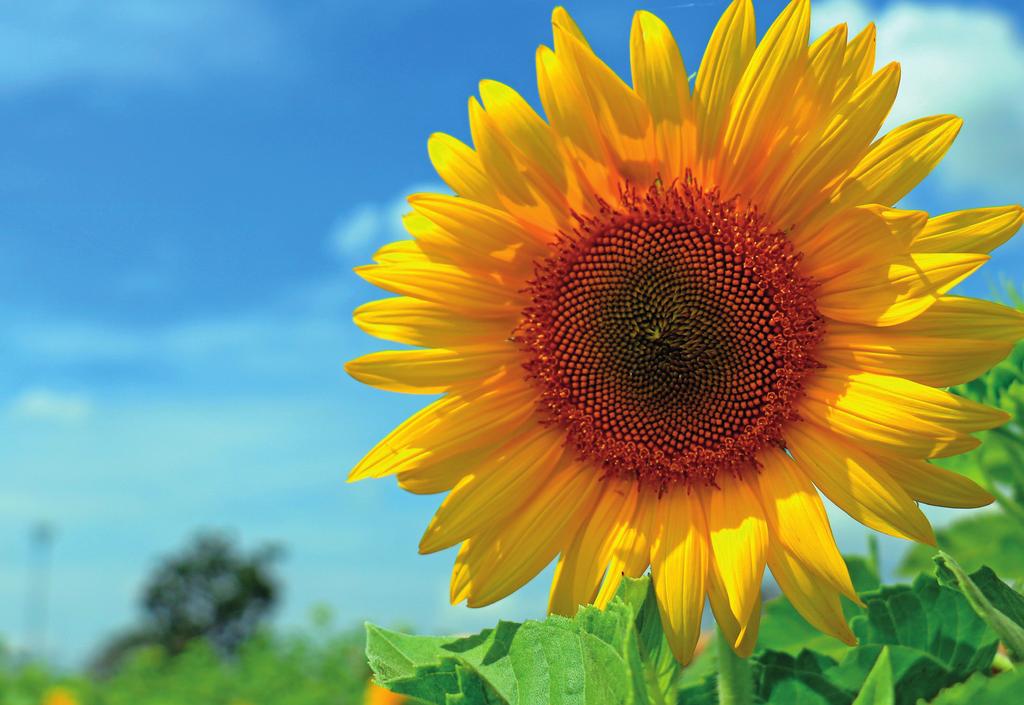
{"points": [[184, 188]]}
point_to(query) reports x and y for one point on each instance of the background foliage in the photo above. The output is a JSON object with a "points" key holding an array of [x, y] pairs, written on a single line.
{"points": [[322, 666]]}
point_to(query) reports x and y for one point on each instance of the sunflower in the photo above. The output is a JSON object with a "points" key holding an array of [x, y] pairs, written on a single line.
{"points": [[662, 320]]}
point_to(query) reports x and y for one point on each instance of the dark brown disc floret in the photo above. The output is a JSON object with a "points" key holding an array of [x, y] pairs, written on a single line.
{"points": [[670, 335]]}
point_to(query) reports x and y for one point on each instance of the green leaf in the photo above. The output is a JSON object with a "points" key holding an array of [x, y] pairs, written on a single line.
{"points": [[782, 679], [395, 655], [554, 663], [1003, 597], [930, 634], [915, 674], [863, 574], [979, 689], [557, 661], [929, 618], [618, 655], [878, 688], [654, 662], [1007, 627]]}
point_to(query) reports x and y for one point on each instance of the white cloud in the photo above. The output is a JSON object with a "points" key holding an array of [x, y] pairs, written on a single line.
{"points": [[367, 226], [48, 41], [955, 59], [50, 405]]}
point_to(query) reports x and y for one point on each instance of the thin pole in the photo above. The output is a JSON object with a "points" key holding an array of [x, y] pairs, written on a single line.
{"points": [[37, 605]]}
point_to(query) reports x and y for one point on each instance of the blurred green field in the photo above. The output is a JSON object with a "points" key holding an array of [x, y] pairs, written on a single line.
{"points": [[318, 666]]}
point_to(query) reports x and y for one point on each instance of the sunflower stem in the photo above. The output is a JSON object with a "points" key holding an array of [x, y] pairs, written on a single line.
{"points": [[735, 681]]}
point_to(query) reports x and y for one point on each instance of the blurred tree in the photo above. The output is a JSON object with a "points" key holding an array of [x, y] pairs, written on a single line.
{"points": [[211, 590]]}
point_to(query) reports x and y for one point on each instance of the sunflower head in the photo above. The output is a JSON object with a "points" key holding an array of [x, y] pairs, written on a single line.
{"points": [[670, 335], [663, 318]]}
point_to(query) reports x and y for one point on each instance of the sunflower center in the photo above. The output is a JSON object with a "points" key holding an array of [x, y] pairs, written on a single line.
{"points": [[670, 335]]}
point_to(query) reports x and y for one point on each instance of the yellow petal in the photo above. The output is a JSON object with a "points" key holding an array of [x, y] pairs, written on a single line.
{"points": [[401, 252], [905, 225], [508, 556], [725, 59], [432, 370], [403, 319], [930, 484], [756, 116], [449, 427], [631, 549], [826, 55], [844, 137], [679, 567], [660, 79], [476, 235], [525, 129], [858, 63], [897, 162], [954, 341], [561, 17], [519, 194], [797, 519], [536, 149], [885, 294], [459, 166], [894, 415], [742, 636], [739, 536], [582, 565], [473, 293], [466, 565], [857, 484], [803, 113], [500, 484], [441, 476], [853, 240], [978, 230], [622, 119], [816, 601], [569, 112]]}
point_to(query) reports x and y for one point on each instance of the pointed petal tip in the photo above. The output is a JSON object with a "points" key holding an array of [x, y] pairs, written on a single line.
{"points": [[684, 658], [428, 541], [460, 586], [892, 67], [984, 499], [744, 648], [562, 20], [645, 20], [928, 537]]}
